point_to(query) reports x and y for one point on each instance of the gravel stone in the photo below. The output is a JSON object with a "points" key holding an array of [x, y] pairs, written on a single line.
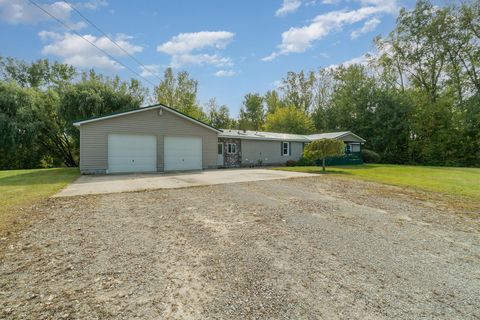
{"points": [[309, 248]]}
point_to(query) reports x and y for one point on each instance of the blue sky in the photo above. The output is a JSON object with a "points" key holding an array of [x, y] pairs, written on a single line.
{"points": [[230, 47]]}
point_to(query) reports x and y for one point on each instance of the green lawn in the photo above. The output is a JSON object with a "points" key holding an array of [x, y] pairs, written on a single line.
{"points": [[449, 180], [23, 187]]}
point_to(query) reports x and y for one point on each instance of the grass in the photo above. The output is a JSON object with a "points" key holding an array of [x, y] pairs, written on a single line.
{"points": [[448, 180], [20, 188]]}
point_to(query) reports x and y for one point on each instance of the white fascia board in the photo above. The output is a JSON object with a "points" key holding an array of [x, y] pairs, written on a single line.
{"points": [[263, 139], [353, 134]]}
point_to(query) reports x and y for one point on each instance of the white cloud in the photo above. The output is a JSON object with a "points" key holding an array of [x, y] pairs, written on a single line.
{"points": [[92, 4], [276, 84], [330, 1], [23, 12], [78, 52], [150, 70], [369, 26], [200, 59], [288, 6], [388, 6], [187, 42], [311, 3], [362, 60], [182, 46], [299, 39], [225, 73]]}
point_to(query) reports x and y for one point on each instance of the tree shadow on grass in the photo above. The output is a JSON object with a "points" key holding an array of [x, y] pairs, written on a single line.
{"points": [[47, 176], [355, 166], [337, 172], [328, 171]]}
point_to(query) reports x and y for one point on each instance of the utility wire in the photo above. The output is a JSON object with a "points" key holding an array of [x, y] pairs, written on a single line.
{"points": [[109, 38], [90, 42]]}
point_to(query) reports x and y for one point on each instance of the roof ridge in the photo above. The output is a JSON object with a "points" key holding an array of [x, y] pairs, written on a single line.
{"points": [[140, 109]]}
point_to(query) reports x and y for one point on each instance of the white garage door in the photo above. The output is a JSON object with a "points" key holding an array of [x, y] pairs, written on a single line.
{"points": [[132, 153], [183, 153]]}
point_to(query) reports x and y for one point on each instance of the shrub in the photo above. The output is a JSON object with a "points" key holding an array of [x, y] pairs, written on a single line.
{"points": [[370, 156], [291, 163], [304, 162]]}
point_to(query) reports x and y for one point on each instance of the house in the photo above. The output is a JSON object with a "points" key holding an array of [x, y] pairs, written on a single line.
{"points": [[159, 138], [247, 148]]}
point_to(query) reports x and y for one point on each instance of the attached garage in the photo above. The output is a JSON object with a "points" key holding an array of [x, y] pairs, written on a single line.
{"points": [[132, 153], [183, 153], [149, 139]]}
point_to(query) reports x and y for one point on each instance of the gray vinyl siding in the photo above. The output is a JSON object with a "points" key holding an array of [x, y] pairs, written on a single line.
{"points": [[269, 151], [94, 136]]}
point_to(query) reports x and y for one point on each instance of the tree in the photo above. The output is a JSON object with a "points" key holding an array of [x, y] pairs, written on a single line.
{"points": [[57, 134], [218, 116], [322, 100], [289, 120], [324, 148], [19, 127], [38, 74], [252, 113], [273, 101], [352, 101], [391, 125], [179, 92], [297, 89], [415, 47], [462, 45]]}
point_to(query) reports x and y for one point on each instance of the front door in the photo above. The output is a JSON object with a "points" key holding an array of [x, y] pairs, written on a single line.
{"points": [[220, 154]]}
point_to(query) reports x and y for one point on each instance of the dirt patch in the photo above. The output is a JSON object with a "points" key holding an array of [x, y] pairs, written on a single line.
{"points": [[297, 249]]}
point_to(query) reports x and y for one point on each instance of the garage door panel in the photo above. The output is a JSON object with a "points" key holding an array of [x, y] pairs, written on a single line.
{"points": [[132, 153], [183, 153]]}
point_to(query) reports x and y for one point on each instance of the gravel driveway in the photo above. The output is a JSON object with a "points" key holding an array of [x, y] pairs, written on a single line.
{"points": [[305, 248]]}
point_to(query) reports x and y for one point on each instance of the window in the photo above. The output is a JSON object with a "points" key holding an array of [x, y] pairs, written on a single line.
{"points": [[285, 148], [352, 147], [348, 148], [231, 148]]}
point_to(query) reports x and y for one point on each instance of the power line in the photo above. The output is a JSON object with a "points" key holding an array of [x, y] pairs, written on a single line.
{"points": [[90, 42], [109, 38]]}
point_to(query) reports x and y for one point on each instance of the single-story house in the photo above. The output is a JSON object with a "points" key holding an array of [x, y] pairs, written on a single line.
{"points": [[159, 138]]}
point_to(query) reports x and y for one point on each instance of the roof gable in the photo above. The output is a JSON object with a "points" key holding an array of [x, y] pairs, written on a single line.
{"points": [[343, 135], [152, 107]]}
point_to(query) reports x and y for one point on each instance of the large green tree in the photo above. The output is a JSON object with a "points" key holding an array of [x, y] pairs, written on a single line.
{"points": [[252, 112], [273, 101], [38, 74], [19, 126], [179, 91], [219, 115], [415, 46], [297, 89], [289, 120], [40, 101], [352, 100]]}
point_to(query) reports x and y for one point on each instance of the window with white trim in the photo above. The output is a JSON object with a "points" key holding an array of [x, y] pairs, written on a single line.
{"points": [[355, 147], [285, 148], [231, 148]]}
